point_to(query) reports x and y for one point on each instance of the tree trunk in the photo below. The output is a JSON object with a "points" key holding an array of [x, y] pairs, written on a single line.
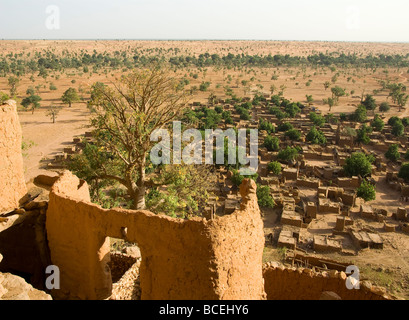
{"points": [[139, 199], [140, 190]]}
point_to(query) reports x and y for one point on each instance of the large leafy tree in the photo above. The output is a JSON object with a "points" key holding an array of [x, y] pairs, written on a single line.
{"points": [[124, 117], [366, 191], [404, 172], [393, 153], [288, 154], [369, 102], [362, 134], [358, 165], [315, 136], [317, 119], [32, 100], [398, 129], [271, 143], [377, 123], [337, 92], [70, 96], [360, 114]]}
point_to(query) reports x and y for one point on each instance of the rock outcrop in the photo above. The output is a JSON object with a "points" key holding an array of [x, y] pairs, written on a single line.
{"points": [[23, 244], [12, 181], [15, 288]]}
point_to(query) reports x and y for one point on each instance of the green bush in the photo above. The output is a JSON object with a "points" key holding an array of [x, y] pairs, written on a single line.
{"points": [[265, 125], [377, 123], [393, 153], [315, 136], [362, 134], [3, 97], [358, 165], [369, 102], [404, 172], [292, 110], [398, 129], [343, 117], [218, 109], [293, 134], [274, 167], [360, 114], [204, 86], [366, 191], [265, 200], [288, 154], [384, 107], [285, 127], [271, 143], [237, 178], [278, 113], [317, 119], [394, 120]]}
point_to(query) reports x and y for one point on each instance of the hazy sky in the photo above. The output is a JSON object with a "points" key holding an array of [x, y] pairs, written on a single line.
{"points": [[337, 20]]}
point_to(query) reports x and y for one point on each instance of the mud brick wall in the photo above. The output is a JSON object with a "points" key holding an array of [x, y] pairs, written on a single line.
{"points": [[12, 182], [304, 284], [181, 259]]}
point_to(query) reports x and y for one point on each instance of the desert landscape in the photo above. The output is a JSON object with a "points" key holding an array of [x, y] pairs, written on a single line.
{"points": [[314, 212]]}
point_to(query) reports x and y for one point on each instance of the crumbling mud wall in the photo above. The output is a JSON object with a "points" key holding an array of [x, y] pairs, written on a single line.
{"points": [[194, 259], [12, 182], [305, 284]]}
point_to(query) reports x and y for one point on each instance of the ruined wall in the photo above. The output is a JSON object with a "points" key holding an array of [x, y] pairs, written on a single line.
{"points": [[194, 259], [305, 284], [12, 182]]}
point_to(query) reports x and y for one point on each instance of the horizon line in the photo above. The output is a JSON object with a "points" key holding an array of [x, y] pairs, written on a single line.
{"points": [[203, 39]]}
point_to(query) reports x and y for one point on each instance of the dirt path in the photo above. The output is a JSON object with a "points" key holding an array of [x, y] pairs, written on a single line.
{"points": [[49, 138]]}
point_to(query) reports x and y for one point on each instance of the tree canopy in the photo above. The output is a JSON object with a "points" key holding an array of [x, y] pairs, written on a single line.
{"points": [[70, 96], [358, 164], [124, 117]]}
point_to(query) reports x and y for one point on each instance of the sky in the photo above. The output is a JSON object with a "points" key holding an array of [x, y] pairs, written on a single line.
{"points": [[305, 20]]}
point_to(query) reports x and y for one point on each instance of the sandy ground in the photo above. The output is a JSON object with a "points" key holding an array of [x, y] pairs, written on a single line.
{"points": [[49, 138]]}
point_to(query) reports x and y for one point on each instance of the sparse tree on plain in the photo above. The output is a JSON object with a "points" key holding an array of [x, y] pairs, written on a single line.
{"points": [[53, 112], [402, 99], [310, 99], [33, 101], [13, 83], [330, 102], [337, 92], [70, 96]]}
